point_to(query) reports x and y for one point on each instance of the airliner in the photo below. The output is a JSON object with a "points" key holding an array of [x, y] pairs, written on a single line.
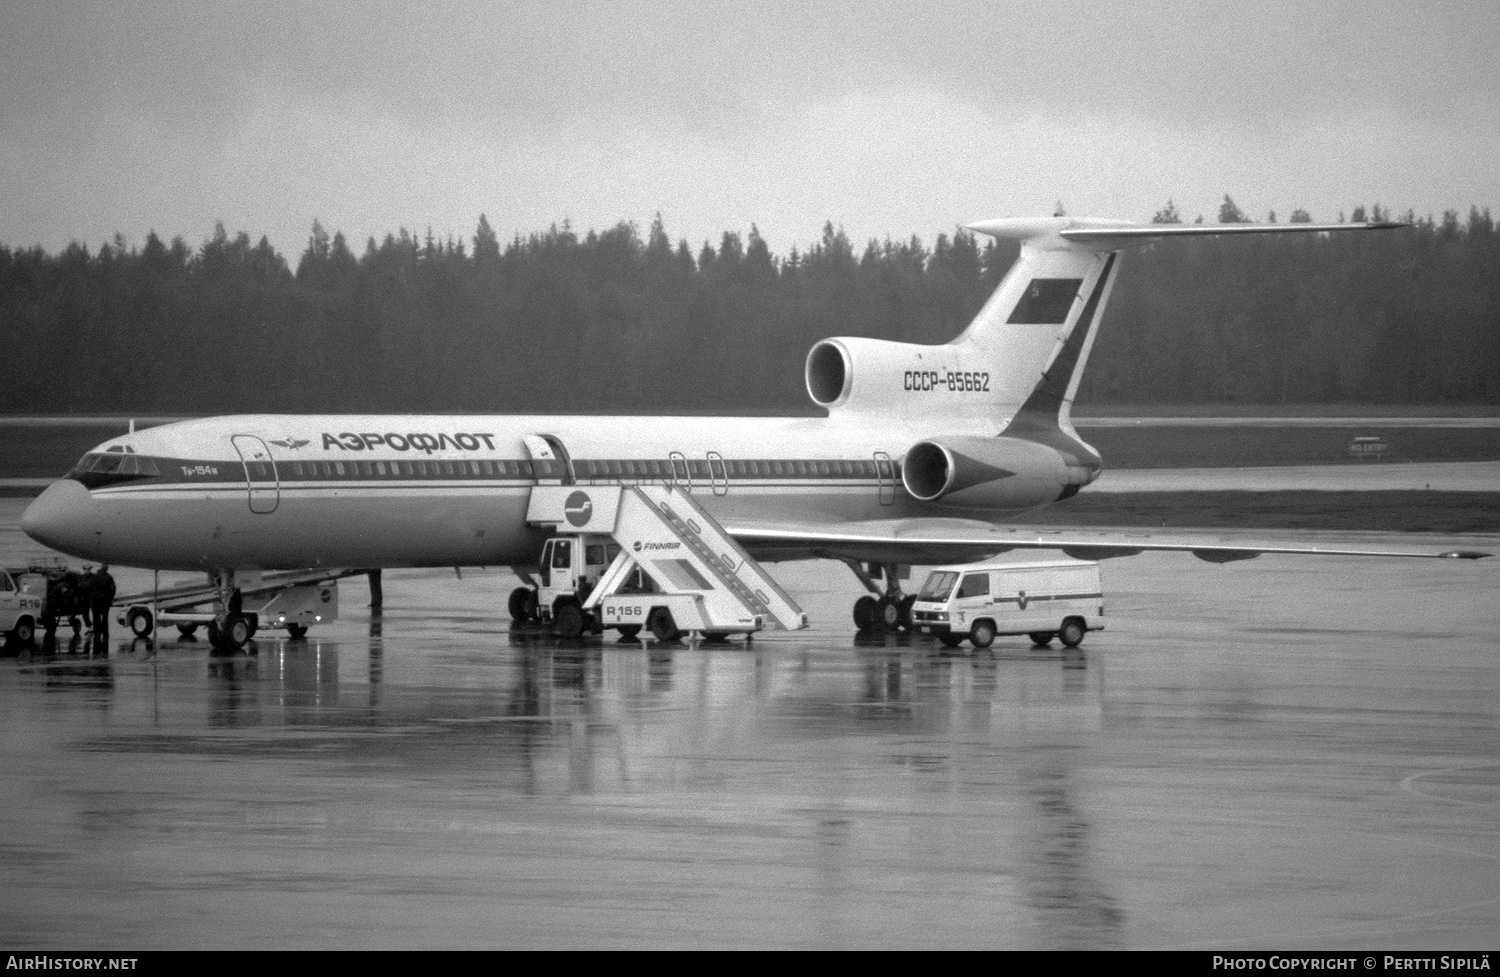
{"points": [[922, 449]]}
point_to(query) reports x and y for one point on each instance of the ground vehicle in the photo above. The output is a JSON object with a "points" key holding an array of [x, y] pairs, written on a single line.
{"points": [[1055, 598], [644, 556], [571, 566], [294, 601], [20, 609], [574, 565], [64, 593]]}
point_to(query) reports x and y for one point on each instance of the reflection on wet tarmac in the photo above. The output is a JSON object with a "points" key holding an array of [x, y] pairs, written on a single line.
{"points": [[427, 778]]}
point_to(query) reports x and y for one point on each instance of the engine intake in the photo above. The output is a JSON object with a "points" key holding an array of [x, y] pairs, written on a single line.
{"points": [[991, 473], [830, 370]]}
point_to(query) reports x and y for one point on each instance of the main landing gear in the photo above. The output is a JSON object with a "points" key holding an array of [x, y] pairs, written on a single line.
{"points": [[886, 609]]}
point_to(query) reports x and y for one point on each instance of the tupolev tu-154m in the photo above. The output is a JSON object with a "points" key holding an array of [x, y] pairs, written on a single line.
{"points": [[922, 448]]}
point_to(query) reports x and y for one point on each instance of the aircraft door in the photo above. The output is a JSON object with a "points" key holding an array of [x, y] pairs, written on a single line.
{"points": [[682, 472], [261, 480], [886, 472], [550, 462], [718, 474]]}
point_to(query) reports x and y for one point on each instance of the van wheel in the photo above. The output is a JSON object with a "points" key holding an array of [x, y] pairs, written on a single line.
{"points": [[141, 624], [24, 632], [296, 630], [628, 632], [982, 634], [187, 630], [951, 640], [1072, 632], [866, 612], [1041, 638]]}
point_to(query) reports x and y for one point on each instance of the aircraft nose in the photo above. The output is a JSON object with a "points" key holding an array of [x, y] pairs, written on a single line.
{"points": [[59, 518]]}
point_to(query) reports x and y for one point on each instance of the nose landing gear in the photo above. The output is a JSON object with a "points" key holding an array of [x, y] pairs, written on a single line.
{"points": [[231, 629]]}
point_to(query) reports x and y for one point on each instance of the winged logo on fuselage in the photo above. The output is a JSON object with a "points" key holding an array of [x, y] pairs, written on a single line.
{"points": [[291, 444]]}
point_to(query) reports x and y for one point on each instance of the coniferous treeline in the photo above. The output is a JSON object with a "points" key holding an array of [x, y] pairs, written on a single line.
{"points": [[609, 320]]}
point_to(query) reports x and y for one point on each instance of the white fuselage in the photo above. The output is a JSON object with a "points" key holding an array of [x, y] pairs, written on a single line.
{"points": [[282, 491]]}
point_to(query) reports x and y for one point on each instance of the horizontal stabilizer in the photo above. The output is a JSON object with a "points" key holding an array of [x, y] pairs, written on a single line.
{"points": [[1109, 235]]}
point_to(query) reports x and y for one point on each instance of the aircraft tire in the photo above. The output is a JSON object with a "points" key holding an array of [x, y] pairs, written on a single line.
{"points": [[865, 612], [1041, 638], [237, 631], [982, 634], [905, 605], [1072, 632], [141, 622], [888, 613]]}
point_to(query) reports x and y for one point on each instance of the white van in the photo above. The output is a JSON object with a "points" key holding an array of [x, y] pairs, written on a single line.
{"points": [[1057, 598]]}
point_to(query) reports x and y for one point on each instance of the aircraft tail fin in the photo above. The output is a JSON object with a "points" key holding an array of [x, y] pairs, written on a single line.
{"points": [[1038, 327]]}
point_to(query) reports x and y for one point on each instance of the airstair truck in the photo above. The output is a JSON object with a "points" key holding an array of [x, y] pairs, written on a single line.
{"points": [[672, 568]]}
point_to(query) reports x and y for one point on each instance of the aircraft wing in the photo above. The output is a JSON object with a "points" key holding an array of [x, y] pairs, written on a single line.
{"points": [[927, 541]]}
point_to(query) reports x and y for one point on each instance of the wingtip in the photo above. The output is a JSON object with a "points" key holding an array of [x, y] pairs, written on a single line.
{"points": [[1465, 555]]}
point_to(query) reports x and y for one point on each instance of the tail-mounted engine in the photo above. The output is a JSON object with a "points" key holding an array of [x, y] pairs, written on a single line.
{"points": [[856, 373], [992, 473]]}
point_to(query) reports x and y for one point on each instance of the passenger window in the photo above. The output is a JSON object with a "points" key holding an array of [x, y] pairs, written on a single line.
{"points": [[975, 585]]}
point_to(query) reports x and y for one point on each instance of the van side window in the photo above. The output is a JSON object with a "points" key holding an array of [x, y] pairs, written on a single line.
{"points": [[975, 585]]}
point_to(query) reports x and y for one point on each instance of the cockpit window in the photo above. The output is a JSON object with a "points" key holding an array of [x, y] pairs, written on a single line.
{"points": [[103, 467]]}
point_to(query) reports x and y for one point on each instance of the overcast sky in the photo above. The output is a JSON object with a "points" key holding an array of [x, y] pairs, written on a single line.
{"points": [[888, 118]]}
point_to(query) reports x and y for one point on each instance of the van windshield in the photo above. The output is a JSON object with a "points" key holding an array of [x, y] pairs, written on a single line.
{"points": [[939, 585]]}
